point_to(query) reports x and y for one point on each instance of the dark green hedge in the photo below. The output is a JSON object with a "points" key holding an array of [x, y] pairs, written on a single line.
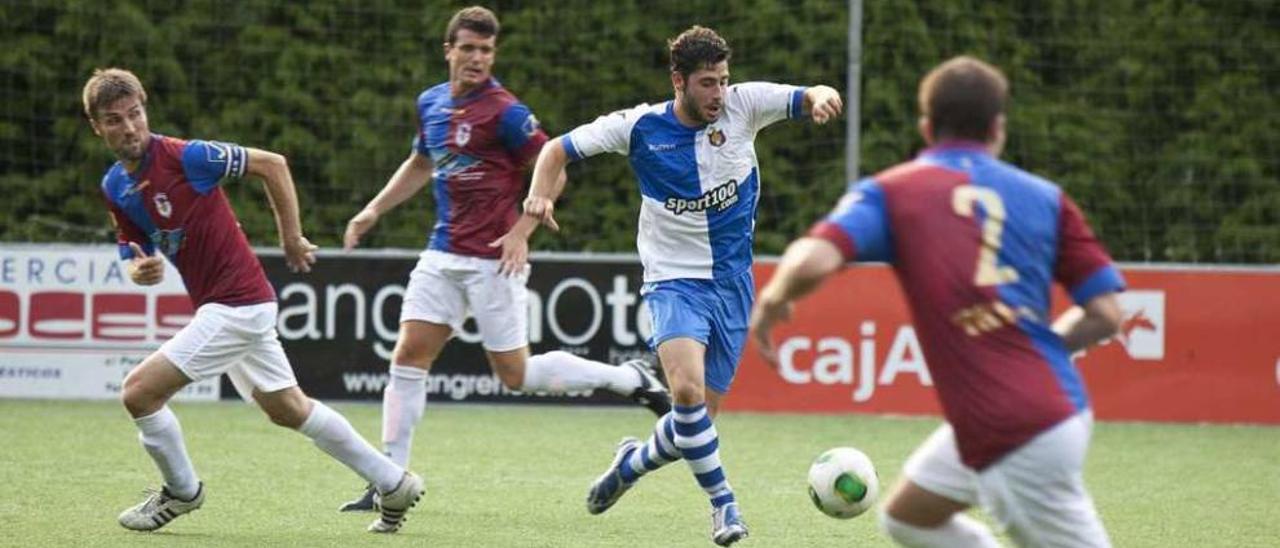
{"points": [[1159, 116]]}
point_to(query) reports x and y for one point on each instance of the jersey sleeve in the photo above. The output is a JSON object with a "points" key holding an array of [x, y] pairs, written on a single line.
{"points": [[127, 232], [207, 162], [608, 133], [1083, 265], [521, 133], [859, 224], [767, 103], [419, 136]]}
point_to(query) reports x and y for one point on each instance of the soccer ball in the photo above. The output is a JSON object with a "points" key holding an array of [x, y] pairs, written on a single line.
{"points": [[843, 483]]}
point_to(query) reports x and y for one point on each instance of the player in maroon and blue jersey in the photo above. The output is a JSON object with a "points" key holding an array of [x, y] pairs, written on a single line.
{"points": [[475, 141], [976, 244], [164, 199]]}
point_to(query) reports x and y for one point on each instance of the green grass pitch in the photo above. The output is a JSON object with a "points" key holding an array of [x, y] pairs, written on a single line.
{"points": [[517, 476]]}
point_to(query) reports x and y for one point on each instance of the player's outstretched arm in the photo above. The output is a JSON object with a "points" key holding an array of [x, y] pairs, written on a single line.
{"points": [[823, 103], [806, 263], [548, 183], [413, 174], [299, 253], [1096, 321]]}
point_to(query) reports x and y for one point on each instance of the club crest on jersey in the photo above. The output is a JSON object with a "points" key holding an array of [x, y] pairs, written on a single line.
{"points": [[721, 198], [462, 135], [168, 241], [163, 207], [716, 137]]}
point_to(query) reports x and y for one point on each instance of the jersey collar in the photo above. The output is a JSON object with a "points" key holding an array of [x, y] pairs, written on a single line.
{"points": [[472, 95], [956, 145], [670, 113]]}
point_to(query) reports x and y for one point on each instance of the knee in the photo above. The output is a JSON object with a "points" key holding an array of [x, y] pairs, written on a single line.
{"points": [[412, 356], [137, 400], [511, 375], [688, 393], [413, 351], [287, 419], [290, 413], [134, 404]]}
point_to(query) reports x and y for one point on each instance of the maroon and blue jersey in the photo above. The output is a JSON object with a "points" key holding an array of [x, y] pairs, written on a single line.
{"points": [[479, 144], [976, 244], [172, 203]]}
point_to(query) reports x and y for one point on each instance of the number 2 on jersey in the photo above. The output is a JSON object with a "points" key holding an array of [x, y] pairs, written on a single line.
{"points": [[988, 272]]}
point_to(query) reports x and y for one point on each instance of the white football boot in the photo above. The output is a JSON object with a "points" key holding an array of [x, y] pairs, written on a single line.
{"points": [[727, 526], [395, 504], [159, 508]]}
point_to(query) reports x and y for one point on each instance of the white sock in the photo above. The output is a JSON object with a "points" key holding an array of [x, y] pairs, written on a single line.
{"points": [[403, 402], [334, 435], [557, 372], [161, 436], [960, 531]]}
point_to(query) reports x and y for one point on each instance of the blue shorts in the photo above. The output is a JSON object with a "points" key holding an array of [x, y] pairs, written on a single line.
{"points": [[713, 312]]}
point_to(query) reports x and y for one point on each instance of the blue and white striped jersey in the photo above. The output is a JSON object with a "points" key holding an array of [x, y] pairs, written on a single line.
{"points": [[699, 185]]}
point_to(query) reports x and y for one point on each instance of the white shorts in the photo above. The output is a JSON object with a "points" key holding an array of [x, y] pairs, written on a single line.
{"points": [[445, 286], [240, 341], [1036, 493]]}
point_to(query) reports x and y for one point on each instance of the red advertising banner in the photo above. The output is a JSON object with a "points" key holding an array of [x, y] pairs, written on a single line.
{"points": [[72, 325], [1196, 345]]}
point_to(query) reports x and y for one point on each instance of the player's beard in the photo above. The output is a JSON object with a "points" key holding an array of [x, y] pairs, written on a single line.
{"points": [[693, 111], [132, 152]]}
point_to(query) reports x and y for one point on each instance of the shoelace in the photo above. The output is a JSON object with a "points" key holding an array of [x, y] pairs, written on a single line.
{"points": [[155, 498]]}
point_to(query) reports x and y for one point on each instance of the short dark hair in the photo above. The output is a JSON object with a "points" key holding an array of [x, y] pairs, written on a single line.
{"points": [[962, 97], [109, 85], [697, 48], [476, 19]]}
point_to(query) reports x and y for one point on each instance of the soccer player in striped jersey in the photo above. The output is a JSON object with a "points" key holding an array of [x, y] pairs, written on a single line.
{"points": [[699, 181], [475, 141], [164, 198], [976, 244]]}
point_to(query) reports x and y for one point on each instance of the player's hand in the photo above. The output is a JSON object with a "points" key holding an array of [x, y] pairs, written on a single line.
{"points": [[515, 253], [827, 104], [299, 254], [767, 313], [543, 209], [357, 227], [145, 269]]}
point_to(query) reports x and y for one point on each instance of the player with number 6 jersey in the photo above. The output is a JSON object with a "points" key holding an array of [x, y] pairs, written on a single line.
{"points": [[474, 142]]}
